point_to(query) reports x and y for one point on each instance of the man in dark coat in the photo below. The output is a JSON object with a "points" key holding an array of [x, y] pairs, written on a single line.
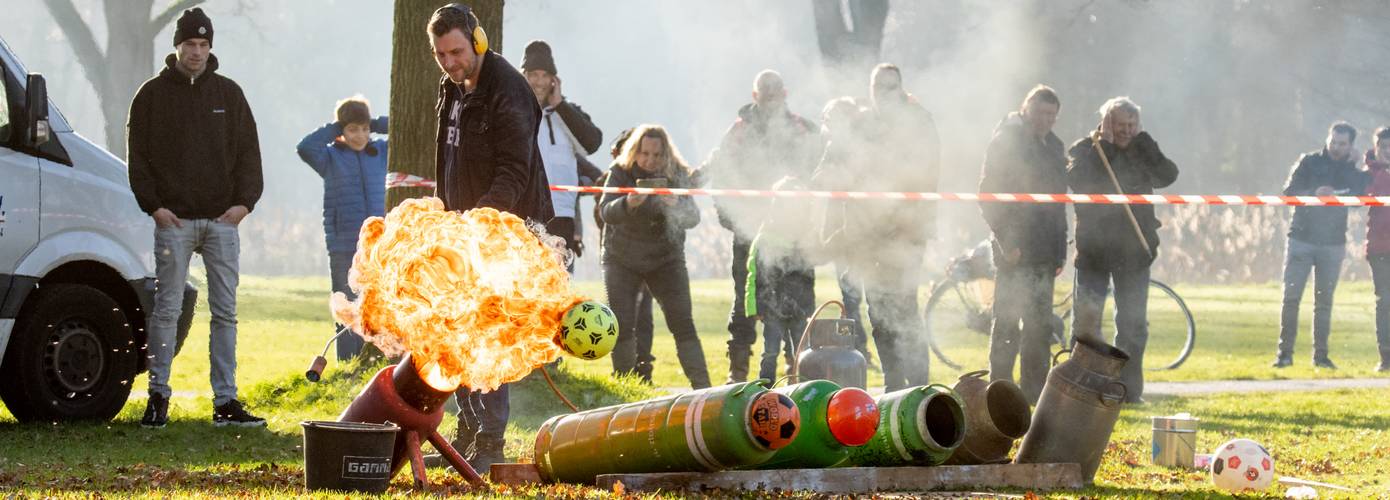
{"points": [[766, 143], [1318, 239], [195, 167], [486, 156], [1107, 245], [902, 154], [1030, 241]]}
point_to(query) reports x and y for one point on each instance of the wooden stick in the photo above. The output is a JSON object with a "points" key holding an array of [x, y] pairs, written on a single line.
{"points": [[1095, 141]]}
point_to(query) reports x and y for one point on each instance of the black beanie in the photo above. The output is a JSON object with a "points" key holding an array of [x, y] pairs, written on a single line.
{"points": [[193, 24], [538, 57]]}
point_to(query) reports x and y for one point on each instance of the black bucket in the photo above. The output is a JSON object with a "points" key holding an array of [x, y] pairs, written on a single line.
{"points": [[348, 456]]}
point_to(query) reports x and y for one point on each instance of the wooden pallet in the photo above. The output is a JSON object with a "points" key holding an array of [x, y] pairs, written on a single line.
{"points": [[833, 481]]}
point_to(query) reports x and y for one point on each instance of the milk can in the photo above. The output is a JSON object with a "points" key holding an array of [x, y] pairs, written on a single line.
{"points": [[1078, 409], [996, 413], [1175, 440], [826, 352]]}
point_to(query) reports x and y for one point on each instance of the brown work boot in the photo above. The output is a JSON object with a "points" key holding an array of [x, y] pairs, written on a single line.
{"points": [[738, 366]]}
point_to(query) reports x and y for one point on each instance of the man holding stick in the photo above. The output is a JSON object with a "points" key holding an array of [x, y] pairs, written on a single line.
{"points": [[1117, 243]]}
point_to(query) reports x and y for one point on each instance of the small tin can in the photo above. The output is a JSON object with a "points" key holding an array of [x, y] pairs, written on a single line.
{"points": [[1175, 440]]}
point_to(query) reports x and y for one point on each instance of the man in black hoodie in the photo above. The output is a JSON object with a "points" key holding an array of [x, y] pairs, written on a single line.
{"points": [[195, 166], [766, 143], [486, 156], [1030, 240]]}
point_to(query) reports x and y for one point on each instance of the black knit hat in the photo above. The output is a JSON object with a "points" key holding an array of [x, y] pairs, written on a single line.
{"points": [[538, 57], [193, 24]]}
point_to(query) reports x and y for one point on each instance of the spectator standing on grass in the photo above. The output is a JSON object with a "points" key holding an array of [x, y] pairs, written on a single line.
{"points": [[644, 246], [195, 167], [1318, 240], [1378, 241], [1029, 241], [1108, 249], [565, 136], [353, 168], [641, 329], [903, 154], [781, 288], [765, 143], [486, 156]]}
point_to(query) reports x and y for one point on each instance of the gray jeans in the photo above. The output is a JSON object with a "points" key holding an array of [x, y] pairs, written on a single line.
{"points": [[1324, 262], [220, 246]]}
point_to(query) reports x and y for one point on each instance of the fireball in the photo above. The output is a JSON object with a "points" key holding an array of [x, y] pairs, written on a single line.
{"points": [[476, 297]]}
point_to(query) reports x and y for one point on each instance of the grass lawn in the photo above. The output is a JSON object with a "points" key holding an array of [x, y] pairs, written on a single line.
{"points": [[1339, 437]]}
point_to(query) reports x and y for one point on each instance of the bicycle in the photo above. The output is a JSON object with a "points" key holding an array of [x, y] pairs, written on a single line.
{"points": [[959, 312]]}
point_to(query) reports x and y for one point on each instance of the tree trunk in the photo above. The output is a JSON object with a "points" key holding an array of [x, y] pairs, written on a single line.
{"points": [[415, 88]]}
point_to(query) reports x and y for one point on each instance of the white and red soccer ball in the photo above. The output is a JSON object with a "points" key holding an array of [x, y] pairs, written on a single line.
{"points": [[1242, 465]]}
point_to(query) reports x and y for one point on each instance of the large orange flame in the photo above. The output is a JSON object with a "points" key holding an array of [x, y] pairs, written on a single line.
{"points": [[474, 297]]}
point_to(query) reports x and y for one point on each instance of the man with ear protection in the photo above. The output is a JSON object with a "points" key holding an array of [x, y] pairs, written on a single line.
{"points": [[486, 156]]}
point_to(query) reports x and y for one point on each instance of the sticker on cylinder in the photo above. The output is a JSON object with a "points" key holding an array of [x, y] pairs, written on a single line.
{"points": [[774, 420]]}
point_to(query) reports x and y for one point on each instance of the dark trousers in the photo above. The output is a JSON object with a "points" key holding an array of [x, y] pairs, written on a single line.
{"points": [[350, 344], [1380, 274], [641, 331], [743, 330], [852, 295], [780, 335], [1324, 262], [1022, 294], [670, 286], [483, 419], [903, 351], [1131, 317]]}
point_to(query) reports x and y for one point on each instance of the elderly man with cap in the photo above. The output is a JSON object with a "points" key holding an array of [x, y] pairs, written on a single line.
{"points": [[566, 135], [195, 167]]}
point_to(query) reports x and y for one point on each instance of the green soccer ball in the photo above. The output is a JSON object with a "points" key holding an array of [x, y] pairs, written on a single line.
{"points": [[588, 330]]}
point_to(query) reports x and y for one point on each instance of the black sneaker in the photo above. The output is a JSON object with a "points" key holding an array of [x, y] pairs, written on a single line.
{"points": [[232, 413], [1282, 363], [156, 412], [1324, 363], [481, 458], [1383, 367]]}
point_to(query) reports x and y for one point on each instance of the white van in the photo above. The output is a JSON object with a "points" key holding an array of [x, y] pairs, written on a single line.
{"points": [[76, 255]]}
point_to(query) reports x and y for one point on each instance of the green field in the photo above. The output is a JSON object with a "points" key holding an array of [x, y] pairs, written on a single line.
{"points": [[1336, 436]]}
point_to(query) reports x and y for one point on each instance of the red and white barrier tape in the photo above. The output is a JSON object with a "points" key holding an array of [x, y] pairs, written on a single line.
{"points": [[397, 179]]}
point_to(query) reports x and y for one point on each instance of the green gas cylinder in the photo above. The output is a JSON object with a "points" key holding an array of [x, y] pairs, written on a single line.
{"points": [[725, 427], [833, 419], [917, 426]]}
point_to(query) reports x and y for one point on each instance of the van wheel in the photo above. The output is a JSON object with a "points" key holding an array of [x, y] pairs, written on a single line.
{"points": [[71, 356]]}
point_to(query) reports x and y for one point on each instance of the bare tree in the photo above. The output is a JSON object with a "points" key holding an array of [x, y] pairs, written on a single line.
{"points": [[415, 87], [117, 72]]}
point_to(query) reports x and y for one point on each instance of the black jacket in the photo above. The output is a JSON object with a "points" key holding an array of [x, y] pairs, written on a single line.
{"points": [[1323, 225], [192, 145], [1017, 162], [589, 136], [495, 161], [1105, 238], [757, 151], [651, 235]]}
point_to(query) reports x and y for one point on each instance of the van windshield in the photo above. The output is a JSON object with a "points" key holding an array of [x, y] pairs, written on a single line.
{"points": [[4, 110]]}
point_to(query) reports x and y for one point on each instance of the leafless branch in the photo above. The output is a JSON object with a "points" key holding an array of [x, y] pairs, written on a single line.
{"points": [[80, 38]]}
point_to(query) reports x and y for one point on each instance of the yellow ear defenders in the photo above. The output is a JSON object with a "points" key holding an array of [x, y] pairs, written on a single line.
{"points": [[477, 34]]}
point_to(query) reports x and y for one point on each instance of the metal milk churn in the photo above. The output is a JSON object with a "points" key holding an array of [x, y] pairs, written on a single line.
{"points": [[1175, 440], [826, 352], [997, 414], [1078, 409]]}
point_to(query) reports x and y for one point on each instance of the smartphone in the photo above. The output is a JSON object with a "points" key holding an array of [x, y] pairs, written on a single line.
{"points": [[652, 182]]}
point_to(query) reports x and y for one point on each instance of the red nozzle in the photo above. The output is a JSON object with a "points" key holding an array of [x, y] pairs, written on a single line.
{"points": [[852, 416]]}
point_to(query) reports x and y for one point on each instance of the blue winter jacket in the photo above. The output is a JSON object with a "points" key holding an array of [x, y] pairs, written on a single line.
{"points": [[354, 182]]}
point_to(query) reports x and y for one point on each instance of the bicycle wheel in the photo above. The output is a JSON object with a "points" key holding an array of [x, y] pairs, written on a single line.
{"points": [[957, 320], [1172, 330]]}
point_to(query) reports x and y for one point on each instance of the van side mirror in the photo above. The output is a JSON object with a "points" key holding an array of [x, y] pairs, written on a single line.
{"points": [[36, 108]]}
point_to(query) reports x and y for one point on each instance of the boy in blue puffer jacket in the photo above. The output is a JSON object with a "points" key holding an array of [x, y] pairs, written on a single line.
{"points": [[353, 168]]}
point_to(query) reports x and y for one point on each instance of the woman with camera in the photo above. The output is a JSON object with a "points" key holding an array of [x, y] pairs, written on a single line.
{"points": [[644, 244]]}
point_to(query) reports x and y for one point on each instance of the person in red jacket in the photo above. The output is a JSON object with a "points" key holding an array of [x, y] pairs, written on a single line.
{"points": [[1378, 240]]}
